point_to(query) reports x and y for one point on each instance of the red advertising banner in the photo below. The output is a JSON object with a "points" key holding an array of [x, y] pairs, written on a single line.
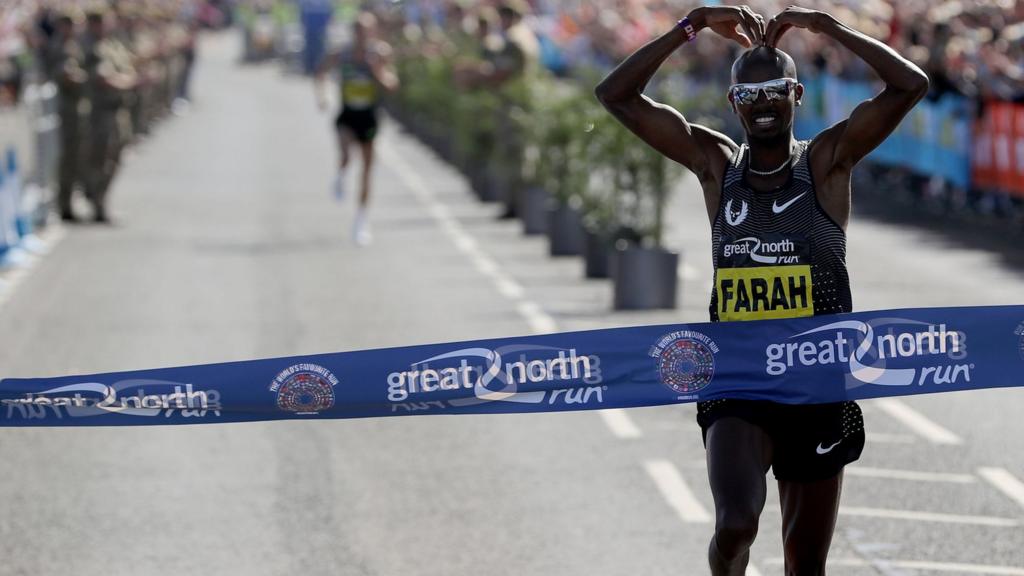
{"points": [[997, 161]]}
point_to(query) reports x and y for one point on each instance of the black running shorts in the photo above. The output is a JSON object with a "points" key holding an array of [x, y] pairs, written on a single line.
{"points": [[810, 441], [361, 122]]}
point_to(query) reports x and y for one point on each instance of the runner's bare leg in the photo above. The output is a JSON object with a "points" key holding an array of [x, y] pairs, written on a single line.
{"points": [[739, 454], [364, 194], [809, 511], [344, 144]]}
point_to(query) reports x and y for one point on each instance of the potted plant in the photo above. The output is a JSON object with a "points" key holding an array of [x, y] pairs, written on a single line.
{"points": [[569, 168], [605, 145], [550, 130], [643, 271]]}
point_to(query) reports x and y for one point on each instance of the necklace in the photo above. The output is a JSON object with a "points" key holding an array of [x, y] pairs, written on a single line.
{"points": [[769, 172]]}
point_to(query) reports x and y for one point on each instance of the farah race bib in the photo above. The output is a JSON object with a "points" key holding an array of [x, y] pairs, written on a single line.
{"points": [[763, 278]]}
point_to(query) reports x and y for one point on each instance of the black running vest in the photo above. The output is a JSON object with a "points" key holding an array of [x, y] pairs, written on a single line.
{"points": [[776, 253]]}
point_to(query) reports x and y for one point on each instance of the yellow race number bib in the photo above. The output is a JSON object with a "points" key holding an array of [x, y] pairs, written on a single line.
{"points": [[764, 277], [765, 292]]}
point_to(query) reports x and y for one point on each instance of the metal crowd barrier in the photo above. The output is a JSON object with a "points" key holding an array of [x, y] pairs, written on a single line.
{"points": [[32, 130]]}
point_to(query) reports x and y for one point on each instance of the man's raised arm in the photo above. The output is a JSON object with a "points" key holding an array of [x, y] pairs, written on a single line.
{"points": [[873, 120], [662, 127]]}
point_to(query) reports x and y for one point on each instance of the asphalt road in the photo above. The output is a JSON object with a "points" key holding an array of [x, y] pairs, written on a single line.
{"points": [[230, 247]]}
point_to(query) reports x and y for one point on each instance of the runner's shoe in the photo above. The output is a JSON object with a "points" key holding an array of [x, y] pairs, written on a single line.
{"points": [[361, 234]]}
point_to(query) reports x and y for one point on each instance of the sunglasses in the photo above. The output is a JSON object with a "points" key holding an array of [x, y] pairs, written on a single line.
{"points": [[746, 94]]}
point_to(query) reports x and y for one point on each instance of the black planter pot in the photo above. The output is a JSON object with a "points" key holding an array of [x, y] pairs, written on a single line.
{"points": [[597, 252], [644, 278], [476, 177], [445, 148], [432, 140], [566, 234], [491, 189], [534, 210], [416, 127], [460, 159]]}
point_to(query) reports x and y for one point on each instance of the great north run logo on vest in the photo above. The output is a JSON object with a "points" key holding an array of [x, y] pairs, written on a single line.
{"points": [[685, 361], [881, 352]]}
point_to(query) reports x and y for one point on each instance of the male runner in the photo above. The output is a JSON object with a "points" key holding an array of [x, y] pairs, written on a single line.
{"points": [[363, 70], [778, 210]]}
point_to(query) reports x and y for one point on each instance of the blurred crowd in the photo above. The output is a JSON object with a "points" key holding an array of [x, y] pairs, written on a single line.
{"points": [[973, 52], [121, 64], [114, 68], [973, 47]]}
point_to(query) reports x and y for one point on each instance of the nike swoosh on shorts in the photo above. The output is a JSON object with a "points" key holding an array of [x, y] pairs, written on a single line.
{"points": [[821, 450]]}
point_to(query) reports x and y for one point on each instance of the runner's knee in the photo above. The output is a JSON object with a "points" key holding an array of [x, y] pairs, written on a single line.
{"points": [[735, 531]]}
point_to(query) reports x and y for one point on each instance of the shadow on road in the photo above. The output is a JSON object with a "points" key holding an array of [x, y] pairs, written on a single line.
{"points": [[1001, 236]]}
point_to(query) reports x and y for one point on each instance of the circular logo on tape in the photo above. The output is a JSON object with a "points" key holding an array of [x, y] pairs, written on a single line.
{"points": [[304, 389], [1020, 335], [685, 361]]}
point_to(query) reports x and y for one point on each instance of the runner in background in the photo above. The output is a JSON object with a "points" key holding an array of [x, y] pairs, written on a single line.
{"points": [[364, 69]]}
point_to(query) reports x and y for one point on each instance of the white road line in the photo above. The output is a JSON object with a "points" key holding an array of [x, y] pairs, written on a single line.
{"points": [[620, 423], [484, 264], [917, 422], [832, 562], [914, 475], [956, 567], [509, 288], [1004, 482], [464, 243], [686, 272], [884, 438], [675, 491], [929, 517], [918, 565], [540, 321]]}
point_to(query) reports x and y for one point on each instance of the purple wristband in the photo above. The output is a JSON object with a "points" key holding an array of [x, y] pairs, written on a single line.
{"points": [[687, 27]]}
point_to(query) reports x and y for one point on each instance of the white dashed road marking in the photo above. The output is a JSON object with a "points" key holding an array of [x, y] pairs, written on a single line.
{"points": [[930, 517], [883, 438], [917, 422], [917, 565], [540, 322], [620, 423], [913, 475], [676, 492], [1004, 482]]}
